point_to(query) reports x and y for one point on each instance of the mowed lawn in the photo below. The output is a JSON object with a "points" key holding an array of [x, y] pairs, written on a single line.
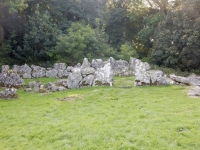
{"points": [[122, 117]]}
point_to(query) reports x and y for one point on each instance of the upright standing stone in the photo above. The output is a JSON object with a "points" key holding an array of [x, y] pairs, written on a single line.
{"points": [[74, 79], [85, 64], [104, 76]]}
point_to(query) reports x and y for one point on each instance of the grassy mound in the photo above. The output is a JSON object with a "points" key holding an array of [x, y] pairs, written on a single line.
{"points": [[119, 117]]}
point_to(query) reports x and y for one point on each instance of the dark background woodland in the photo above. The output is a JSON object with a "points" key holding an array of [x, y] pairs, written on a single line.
{"points": [[42, 32]]}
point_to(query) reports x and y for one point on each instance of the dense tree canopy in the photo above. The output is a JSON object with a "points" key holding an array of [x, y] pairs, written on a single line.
{"points": [[46, 31]]}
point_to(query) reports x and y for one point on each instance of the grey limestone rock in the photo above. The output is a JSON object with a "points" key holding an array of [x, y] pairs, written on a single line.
{"points": [[194, 91], [59, 85], [11, 80], [52, 73], [132, 64], [142, 79], [5, 68], [190, 80], [87, 71], [74, 79], [87, 81], [85, 63], [34, 84], [70, 68], [38, 72], [8, 93], [63, 73], [78, 66], [61, 88], [180, 79], [26, 76], [104, 76], [194, 80], [59, 66], [61, 82], [157, 77], [24, 70], [97, 63], [139, 68], [121, 68], [152, 77]]}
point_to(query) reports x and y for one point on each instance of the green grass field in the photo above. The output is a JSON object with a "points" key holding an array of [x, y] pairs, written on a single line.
{"points": [[102, 118]]}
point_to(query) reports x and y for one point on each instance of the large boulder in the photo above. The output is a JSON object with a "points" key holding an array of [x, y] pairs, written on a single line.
{"points": [[139, 68], [74, 79], [70, 69], [97, 63], [24, 70], [34, 84], [192, 79], [194, 91], [53, 87], [8, 93], [104, 76], [85, 63], [88, 80], [59, 66], [142, 79], [38, 72], [87, 71], [152, 77], [51, 73], [63, 73], [61, 82], [120, 67], [179, 79], [11, 79], [132, 64], [158, 77]]}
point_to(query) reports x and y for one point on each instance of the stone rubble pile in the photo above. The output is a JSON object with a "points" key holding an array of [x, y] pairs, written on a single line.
{"points": [[8, 93], [76, 77], [11, 79], [145, 76], [98, 72]]}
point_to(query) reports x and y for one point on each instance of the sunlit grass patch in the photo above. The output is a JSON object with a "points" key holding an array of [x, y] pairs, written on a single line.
{"points": [[160, 117]]}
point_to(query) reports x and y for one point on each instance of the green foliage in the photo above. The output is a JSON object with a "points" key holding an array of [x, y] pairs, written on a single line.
{"points": [[151, 22], [37, 31], [114, 27], [41, 36], [176, 39], [5, 51], [80, 42], [102, 118], [16, 5], [128, 51]]}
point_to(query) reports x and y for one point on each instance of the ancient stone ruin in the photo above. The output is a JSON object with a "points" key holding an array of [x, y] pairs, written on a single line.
{"points": [[96, 73]]}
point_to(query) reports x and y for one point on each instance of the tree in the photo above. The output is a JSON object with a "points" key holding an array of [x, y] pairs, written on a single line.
{"points": [[128, 51], [41, 35], [162, 5], [80, 42], [176, 38]]}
